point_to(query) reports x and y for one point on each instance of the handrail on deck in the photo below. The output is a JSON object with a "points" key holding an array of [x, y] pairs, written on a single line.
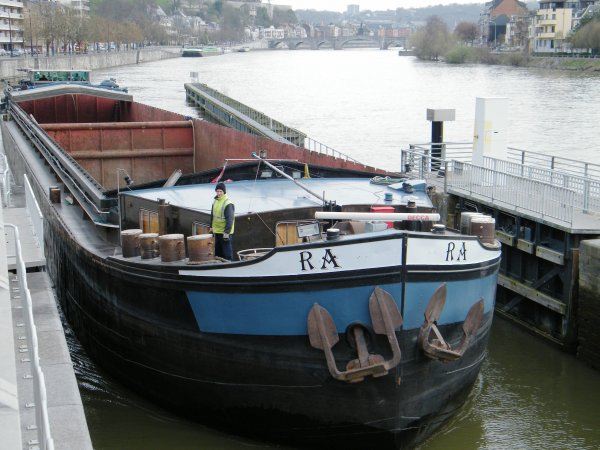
{"points": [[44, 434]]}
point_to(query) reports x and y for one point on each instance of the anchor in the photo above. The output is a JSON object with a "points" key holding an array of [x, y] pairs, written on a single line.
{"points": [[437, 347], [385, 318]]}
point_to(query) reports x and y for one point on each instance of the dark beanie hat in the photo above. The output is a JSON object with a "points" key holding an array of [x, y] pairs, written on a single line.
{"points": [[221, 186]]}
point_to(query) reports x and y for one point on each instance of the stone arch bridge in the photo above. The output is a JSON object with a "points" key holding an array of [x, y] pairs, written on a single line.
{"points": [[338, 43]]}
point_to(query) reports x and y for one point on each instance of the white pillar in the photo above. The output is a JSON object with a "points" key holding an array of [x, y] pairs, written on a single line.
{"points": [[490, 133]]}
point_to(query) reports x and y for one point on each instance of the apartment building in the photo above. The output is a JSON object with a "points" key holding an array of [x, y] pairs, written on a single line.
{"points": [[81, 6], [552, 24], [11, 25]]}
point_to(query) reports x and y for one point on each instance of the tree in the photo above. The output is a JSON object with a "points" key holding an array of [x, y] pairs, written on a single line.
{"points": [[587, 36], [466, 32], [432, 40]]}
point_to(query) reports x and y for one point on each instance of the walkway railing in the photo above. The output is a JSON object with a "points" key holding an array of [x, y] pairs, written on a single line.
{"points": [[45, 441], [35, 214], [554, 163], [555, 194], [513, 191]]}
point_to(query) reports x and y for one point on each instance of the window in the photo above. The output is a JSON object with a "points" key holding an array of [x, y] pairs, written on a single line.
{"points": [[149, 221]]}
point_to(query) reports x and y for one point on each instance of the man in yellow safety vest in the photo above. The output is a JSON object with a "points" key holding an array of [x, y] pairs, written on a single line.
{"points": [[222, 222]]}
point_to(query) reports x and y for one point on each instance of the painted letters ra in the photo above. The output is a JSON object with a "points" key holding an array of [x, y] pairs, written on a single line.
{"points": [[327, 261]]}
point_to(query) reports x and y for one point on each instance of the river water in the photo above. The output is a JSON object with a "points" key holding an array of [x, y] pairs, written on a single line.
{"points": [[369, 104]]}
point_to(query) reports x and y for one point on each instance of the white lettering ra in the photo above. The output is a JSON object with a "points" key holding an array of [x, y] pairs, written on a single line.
{"points": [[461, 252], [328, 260]]}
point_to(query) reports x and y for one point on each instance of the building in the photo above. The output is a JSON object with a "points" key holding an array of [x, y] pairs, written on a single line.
{"points": [[272, 33], [553, 22], [11, 25], [495, 19], [81, 6], [352, 10]]}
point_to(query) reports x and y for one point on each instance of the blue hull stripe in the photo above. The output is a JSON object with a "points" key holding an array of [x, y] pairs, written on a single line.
{"points": [[285, 314]]}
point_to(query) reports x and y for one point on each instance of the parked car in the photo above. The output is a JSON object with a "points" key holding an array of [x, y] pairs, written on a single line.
{"points": [[16, 52], [3, 52]]}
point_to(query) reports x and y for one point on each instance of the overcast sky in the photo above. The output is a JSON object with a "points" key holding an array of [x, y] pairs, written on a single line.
{"points": [[340, 5]]}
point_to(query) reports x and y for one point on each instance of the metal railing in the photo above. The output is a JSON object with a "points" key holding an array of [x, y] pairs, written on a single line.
{"points": [[554, 163], [587, 190], [460, 151], [513, 191], [35, 214], [322, 149], [44, 441], [292, 135], [555, 194], [5, 179]]}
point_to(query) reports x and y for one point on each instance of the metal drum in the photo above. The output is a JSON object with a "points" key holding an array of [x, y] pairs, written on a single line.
{"points": [[465, 221], [149, 245], [484, 228], [172, 247], [200, 248], [130, 242]]}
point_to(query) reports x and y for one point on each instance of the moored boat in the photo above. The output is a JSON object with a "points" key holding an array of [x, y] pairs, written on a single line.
{"points": [[346, 320], [199, 52]]}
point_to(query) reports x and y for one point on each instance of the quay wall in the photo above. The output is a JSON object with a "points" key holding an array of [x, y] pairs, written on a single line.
{"points": [[589, 303], [9, 67]]}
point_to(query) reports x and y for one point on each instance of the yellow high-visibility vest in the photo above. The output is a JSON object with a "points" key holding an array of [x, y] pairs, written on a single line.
{"points": [[218, 212]]}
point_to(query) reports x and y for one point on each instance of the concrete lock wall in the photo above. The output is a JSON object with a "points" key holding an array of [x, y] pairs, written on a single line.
{"points": [[9, 67], [589, 302]]}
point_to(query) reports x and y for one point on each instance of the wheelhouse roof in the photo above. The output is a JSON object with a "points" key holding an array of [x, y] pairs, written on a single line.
{"points": [[272, 195]]}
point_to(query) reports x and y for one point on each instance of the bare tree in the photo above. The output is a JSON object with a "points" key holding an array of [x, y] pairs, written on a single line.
{"points": [[432, 40], [466, 32]]}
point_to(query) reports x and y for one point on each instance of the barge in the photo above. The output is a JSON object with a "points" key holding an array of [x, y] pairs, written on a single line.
{"points": [[350, 319]]}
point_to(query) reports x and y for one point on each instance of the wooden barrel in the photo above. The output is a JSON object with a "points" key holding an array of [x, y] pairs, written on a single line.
{"points": [[465, 221], [200, 248], [149, 245], [130, 242], [172, 247], [54, 194], [484, 228]]}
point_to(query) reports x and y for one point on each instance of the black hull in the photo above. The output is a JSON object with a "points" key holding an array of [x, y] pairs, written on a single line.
{"points": [[275, 387]]}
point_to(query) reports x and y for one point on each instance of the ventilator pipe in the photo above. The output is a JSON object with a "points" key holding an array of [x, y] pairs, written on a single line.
{"points": [[366, 216]]}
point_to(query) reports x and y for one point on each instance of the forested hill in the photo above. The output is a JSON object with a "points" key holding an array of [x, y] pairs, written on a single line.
{"points": [[451, 14]]}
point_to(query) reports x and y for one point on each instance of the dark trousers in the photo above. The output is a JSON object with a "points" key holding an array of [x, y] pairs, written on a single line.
{"points": [[224, 248]]}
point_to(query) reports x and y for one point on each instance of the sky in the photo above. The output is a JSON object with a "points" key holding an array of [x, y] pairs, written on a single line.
{"points": [[375, 5]]}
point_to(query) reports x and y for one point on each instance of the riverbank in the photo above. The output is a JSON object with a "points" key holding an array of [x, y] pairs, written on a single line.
{"points": [[12, 69], [476, 55]]}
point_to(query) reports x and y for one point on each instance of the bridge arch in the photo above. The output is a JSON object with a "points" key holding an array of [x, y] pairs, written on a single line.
{"points": [[343, 42], [400, 42]]}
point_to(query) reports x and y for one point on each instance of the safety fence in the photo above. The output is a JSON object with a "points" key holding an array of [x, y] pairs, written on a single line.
{"points": [[44, 436], [553, 194], [34, 213], [5, 179]]}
